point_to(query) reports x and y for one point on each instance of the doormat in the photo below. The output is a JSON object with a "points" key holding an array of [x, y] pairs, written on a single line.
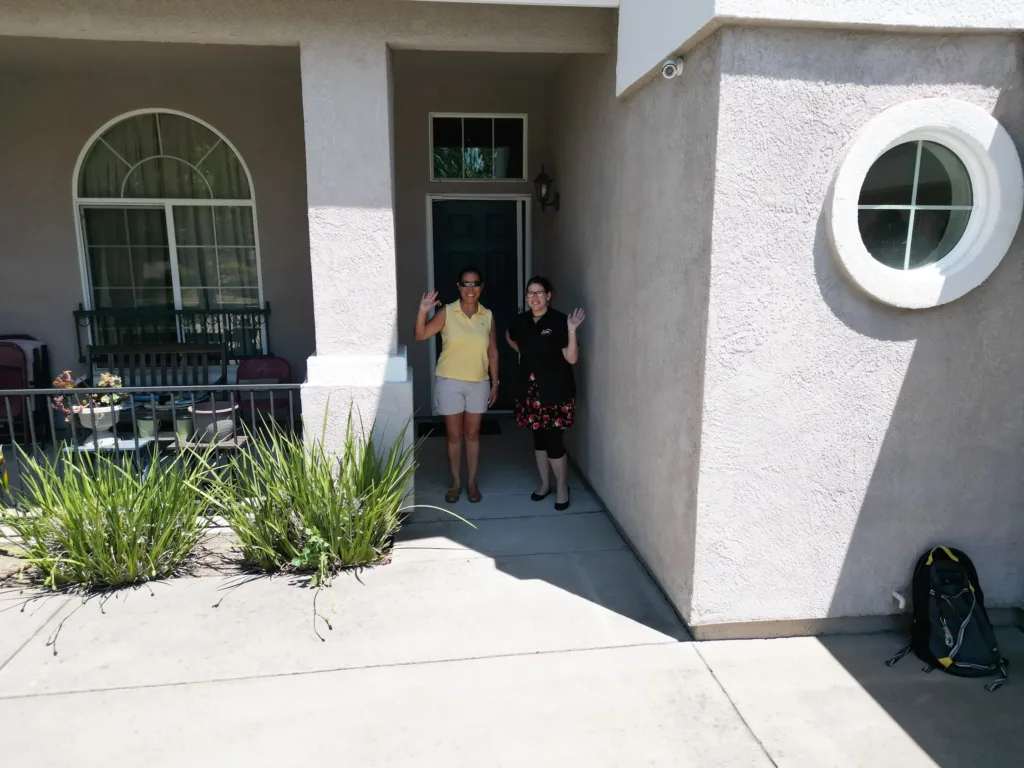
{"points": [[436, 428]]}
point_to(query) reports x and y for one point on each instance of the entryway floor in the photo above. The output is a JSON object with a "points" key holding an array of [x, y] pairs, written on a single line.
{"points": [[534, 638]]}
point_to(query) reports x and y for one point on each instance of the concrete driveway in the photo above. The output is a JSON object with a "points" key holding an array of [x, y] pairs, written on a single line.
{"points": [[536, 639]]}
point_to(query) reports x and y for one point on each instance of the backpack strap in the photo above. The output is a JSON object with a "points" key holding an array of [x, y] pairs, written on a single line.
{"points": [[1004, 675], [898, 656], [949, 554]]}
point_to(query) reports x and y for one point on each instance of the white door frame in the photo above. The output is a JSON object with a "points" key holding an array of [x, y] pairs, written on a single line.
{"points": [[524, 256]]}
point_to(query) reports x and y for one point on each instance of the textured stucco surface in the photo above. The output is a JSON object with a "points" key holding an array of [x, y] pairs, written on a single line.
{"points": [[440, 26], [351, 225], [427, 82], [56, 94], [631, 245], [841, 437], [383, 411], [651, 30]]}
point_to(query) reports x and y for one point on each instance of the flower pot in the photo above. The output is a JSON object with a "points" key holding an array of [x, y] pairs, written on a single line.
{"points": [[100, 418], [183, 427], [148, 427], [213, 426]]}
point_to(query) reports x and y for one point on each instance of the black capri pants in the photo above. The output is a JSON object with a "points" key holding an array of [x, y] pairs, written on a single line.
{"points": [[550, 441]]}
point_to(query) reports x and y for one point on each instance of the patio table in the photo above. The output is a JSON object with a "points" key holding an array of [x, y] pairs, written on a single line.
{"points": [[135, 449]]}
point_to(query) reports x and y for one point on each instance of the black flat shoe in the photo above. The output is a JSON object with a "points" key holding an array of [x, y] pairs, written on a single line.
{"points": [[538, 497], [562, 506]]}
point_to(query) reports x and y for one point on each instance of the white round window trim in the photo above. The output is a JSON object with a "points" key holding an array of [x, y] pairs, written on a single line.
{"points": [[991, 158]]}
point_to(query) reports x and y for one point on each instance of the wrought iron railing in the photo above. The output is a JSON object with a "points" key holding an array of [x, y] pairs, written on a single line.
{"points": [[140, 421], [244, 332]]}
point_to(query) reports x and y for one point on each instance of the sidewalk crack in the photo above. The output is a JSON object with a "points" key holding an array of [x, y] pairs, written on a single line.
{"points": [[736, 709]]}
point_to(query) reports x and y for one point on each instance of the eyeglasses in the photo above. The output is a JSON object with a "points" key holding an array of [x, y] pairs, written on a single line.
{"points": [[535, 294], [471, 283]]}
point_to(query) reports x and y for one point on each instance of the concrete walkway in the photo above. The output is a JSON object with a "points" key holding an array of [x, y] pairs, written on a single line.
{"points": [[535, 639]]}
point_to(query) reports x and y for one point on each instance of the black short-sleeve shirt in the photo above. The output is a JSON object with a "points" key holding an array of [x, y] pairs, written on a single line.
{"points": [[540, 345]]}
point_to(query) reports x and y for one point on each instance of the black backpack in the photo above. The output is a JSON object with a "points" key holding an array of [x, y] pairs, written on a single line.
{"points": [[951, 630]]}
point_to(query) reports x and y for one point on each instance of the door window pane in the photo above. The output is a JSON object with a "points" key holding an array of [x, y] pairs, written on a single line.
{"points": [[447, 147], [508, 148], [478, 147]]}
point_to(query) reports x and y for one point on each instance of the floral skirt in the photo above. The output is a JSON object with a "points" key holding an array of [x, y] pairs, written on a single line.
{"points": [[530, 414]]}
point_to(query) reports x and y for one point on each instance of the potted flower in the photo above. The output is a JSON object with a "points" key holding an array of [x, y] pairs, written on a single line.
{"points": [[96, 411]]}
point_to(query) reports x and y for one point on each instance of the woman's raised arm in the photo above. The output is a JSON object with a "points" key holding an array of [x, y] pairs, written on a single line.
{"points": [[424, 329]]}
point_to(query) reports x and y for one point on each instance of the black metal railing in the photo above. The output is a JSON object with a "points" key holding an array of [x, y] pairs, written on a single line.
{"points": [[140, 421], [244, 332]]}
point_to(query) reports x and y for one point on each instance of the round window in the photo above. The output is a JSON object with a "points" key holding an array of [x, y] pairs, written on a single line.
{"points": [[926, 202], [914, 205]]}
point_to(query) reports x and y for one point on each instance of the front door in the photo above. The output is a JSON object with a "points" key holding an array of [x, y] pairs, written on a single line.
{"points": [[486, 235]]}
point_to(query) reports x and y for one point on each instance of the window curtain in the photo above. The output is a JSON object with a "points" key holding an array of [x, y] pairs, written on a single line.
{"points": [[170, 158], [216, 248]]}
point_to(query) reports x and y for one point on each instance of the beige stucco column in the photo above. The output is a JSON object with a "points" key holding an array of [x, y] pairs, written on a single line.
{"points": [[346, 109]]}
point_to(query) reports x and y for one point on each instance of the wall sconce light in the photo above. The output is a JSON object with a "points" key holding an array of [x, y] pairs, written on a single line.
{"points": [[545, 197]]}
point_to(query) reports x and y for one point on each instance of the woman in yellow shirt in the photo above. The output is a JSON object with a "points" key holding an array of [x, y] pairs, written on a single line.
{"points": [[466, 382]]}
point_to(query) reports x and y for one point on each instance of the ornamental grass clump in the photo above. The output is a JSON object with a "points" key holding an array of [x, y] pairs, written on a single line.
{"points": [[296, 507], [89, 521]]}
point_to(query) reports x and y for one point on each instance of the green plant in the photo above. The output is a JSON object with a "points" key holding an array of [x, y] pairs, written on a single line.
{"points": [[88, 521], [297, 507], [4, 482]]}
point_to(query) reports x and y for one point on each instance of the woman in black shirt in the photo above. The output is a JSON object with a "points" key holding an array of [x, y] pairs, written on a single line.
{"points": [[546, 398]]}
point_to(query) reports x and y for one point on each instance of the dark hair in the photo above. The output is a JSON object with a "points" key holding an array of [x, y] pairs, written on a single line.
{"points": [[543, 282], [466, 270]]}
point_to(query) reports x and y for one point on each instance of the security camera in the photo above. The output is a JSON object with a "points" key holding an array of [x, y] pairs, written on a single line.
{"points": [[672, 68]]}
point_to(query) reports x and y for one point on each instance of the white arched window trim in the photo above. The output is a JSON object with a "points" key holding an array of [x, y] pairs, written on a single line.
{"points": [[167, 204]]}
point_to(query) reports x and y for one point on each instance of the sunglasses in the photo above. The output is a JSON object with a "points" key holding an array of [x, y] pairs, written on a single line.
{"points": [[471, 283]]}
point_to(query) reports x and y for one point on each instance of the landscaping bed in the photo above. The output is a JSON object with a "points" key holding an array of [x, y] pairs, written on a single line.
{"points": [[89, 523]]}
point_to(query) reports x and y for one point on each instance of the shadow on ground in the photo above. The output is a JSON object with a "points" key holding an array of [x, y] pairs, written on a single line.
{"points": [[954, 720], [579, 550]]}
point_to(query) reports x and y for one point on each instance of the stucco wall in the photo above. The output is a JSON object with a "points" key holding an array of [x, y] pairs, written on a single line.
{"points": [[842, 437], [426, 82], [651, 30], [428, 26], [631, 246], [56, 94]]}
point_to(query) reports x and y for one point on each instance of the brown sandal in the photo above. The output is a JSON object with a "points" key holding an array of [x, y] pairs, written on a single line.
{"points": [[474, 495], [453, 495]]}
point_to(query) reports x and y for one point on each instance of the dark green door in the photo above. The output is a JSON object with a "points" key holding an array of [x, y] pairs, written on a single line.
{"points": [[484, 234]]}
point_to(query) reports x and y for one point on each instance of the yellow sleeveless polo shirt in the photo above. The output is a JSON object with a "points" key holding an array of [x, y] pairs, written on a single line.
{"points": [[464, 343]]}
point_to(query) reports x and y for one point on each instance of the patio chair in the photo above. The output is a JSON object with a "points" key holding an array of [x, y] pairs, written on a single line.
{"points": [[40, 357], [13, 375], [265, 369]]}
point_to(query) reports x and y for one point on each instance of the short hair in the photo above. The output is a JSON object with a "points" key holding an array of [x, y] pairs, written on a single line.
{"points": [[543, 282]]}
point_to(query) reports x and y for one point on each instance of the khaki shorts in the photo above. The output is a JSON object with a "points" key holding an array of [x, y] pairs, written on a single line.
{"points": [[452, 396]]}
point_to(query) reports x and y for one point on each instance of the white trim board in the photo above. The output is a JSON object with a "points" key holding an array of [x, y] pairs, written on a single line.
{"points": [[524, 230]]}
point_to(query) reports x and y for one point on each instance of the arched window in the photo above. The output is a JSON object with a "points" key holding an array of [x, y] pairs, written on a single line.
{"points": [[167, 216]]}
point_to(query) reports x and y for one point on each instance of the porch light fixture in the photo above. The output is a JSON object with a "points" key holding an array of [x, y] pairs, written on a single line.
{"points": [[544, 183]]}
